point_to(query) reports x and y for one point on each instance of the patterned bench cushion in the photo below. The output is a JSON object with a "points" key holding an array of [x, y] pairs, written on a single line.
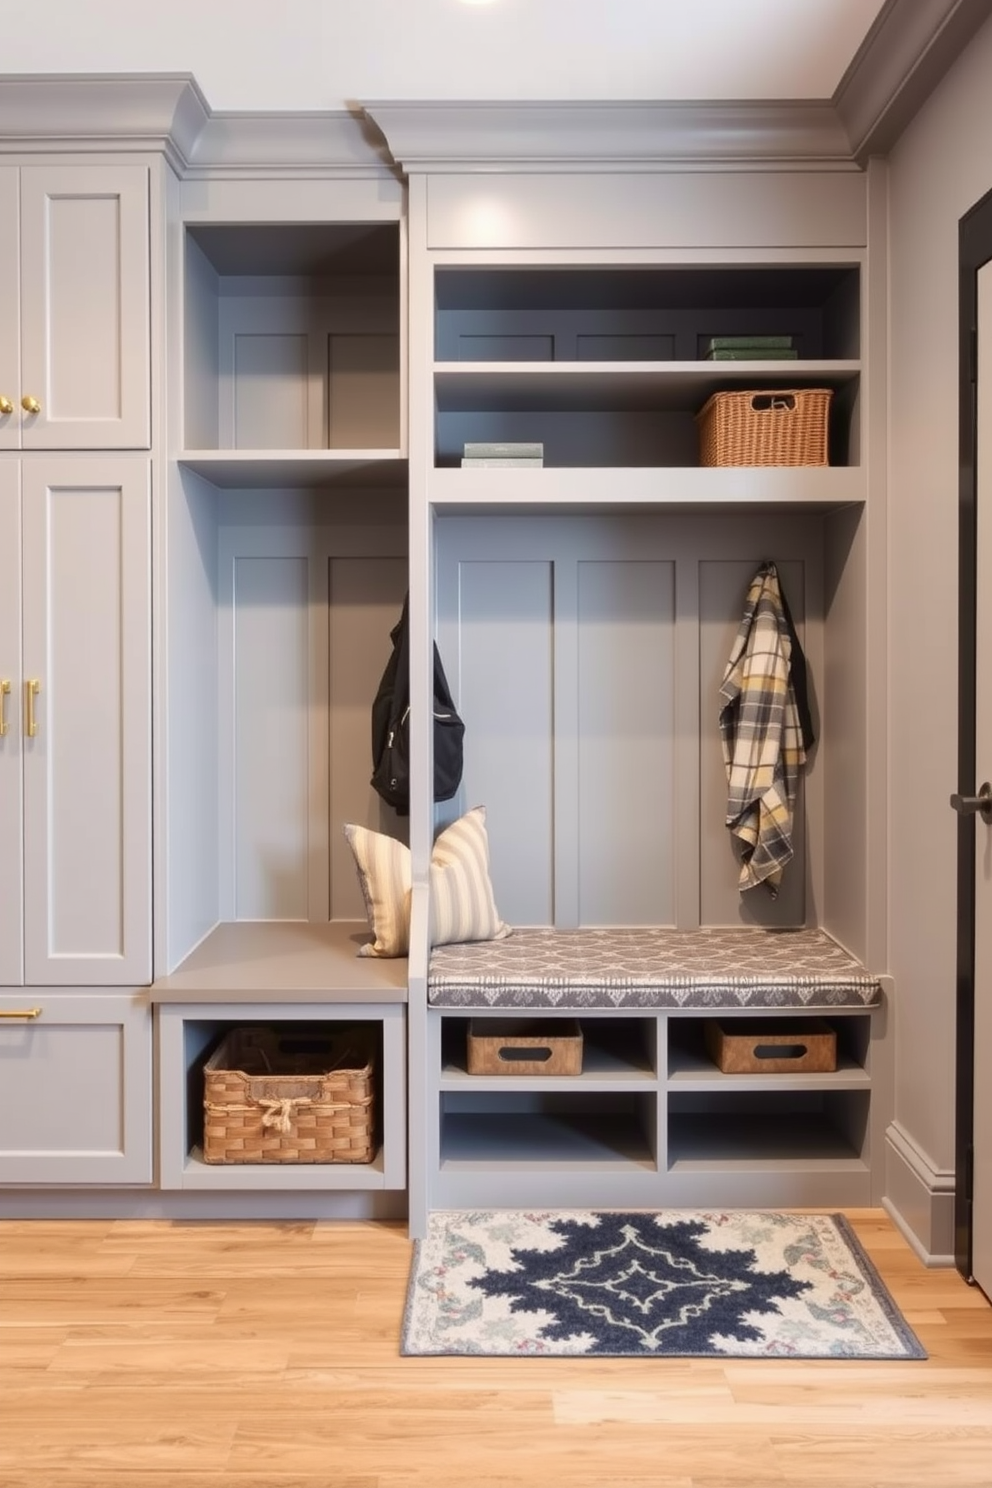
{"points": [[651, 968]]}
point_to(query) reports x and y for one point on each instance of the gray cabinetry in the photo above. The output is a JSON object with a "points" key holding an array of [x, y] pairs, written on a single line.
{"points": [[587, 609], [75, 751], [651, 1120], [75, 1083], [74, 307], [286, 543]]}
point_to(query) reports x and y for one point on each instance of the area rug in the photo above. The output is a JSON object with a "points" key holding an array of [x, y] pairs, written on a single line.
{"points": [[677, 1283]]}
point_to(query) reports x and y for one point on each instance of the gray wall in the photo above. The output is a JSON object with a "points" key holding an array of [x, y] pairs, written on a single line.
{"points": [[938, 169]]}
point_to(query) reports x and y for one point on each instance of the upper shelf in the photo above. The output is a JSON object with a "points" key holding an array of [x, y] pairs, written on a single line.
{"points": [[604, 387], [262, 469]]}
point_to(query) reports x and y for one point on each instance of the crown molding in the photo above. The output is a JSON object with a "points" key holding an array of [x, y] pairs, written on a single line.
{"points": [[287, 144], [904, 56], [902, 59], [167, 112], [121, 111], [608, 136]]}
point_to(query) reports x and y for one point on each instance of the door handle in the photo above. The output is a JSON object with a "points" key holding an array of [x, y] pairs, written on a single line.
{"points": [[969, 805], [32, 687]]}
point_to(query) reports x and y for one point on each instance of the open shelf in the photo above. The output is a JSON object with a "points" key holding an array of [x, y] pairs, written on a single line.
{"points": [[306, 469], [566, 1136]]}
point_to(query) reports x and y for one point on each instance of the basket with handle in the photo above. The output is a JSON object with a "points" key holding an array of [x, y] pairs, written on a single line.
{"points": [[306, 1096], [750, 426]]}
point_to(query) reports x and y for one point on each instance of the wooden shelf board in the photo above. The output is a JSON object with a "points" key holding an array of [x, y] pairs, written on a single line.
{"points": [[278, 960]]}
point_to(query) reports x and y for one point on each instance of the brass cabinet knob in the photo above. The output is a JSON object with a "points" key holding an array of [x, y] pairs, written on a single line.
{"points": [[5, 405], [29, 404]]}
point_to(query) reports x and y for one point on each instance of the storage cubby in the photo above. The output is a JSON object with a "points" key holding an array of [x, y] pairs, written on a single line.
{"points": [[607, 367], [292, 351], [613, 1051], [189, 1032]]}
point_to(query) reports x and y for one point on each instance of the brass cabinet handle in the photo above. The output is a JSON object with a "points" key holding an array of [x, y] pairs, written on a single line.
{"points": [[29, 404], [21, 1013], [32, 687], [4, 694], [5, 405]]}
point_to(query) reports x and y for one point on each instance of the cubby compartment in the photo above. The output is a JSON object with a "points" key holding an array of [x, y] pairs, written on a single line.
{"points": [[812, 1126], [189, 1033], [614, 1050], [546, 1128], [292, 344], [276, 650], [607, 366], [690, 1062]]}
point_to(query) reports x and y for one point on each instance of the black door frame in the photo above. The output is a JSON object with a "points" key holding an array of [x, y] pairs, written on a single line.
{"points": [[974, 250]]}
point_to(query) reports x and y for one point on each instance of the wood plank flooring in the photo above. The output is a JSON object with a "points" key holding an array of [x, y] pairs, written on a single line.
{"points": [[261, 1355]]}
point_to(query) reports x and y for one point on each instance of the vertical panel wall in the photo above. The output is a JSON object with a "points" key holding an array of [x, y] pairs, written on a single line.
{"points": [[584, 737]]}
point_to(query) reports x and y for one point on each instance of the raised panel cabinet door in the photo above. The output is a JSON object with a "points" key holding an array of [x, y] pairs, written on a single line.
{"points": [[10, 372], [85, 307], [87, 734], [11, 884], [75, 1088]]}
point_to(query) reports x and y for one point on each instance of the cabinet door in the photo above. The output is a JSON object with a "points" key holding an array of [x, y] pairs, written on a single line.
{"points": [[75, 1088], [85, 307], [10, 374], [11, 886], [87, 767]]}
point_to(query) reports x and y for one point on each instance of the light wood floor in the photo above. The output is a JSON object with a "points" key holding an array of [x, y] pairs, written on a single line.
{"points": [[201, 1355]]}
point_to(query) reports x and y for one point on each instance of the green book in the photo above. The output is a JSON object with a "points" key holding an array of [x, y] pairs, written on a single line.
{"points": [[741, 343], [752, 354]]}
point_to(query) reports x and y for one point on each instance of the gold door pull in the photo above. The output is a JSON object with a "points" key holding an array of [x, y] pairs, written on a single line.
{"points": [[4, 695], [32, 687], [21, 1013], [29, 404], [5, 404]]}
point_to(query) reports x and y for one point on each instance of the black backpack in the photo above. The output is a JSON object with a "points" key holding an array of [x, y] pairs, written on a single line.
{"points": [[391, 727]]}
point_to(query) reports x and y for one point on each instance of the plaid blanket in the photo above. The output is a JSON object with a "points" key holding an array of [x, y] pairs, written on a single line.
{"points": [[762, 735]]}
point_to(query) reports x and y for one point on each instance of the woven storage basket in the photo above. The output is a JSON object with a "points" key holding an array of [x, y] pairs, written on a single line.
{"points": [[300, 1097], [751, 427]]}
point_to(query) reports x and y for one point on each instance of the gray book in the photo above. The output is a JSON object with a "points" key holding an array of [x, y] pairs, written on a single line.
{"points": [[524, 463], [503, 449]]}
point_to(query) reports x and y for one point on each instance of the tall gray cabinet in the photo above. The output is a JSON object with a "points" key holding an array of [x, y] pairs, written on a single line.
{"points": [[585, 611], [75, 665]]}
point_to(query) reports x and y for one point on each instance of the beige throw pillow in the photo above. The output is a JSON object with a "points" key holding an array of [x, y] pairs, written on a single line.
{"points": [[462, 903]]}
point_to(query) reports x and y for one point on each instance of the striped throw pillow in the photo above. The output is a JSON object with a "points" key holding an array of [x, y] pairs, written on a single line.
{"points": [[462, 903]]}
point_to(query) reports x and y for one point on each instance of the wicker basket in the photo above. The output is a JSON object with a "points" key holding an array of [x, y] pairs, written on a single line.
{"points": [[300, 1097], [786, 427]]}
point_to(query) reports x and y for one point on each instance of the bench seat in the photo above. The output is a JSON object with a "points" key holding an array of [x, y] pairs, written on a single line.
{"points": [[737, 967]]}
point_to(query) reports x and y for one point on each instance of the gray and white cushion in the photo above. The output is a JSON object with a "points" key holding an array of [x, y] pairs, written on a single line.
{"points": [[652, 968]]}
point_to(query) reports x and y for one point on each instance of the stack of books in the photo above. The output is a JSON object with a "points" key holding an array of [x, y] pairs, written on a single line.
{"points": [[750, 349], [507, 453]]}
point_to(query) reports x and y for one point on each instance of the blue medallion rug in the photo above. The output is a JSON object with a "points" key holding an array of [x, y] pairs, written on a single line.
{"points": [[679, 1283]]}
